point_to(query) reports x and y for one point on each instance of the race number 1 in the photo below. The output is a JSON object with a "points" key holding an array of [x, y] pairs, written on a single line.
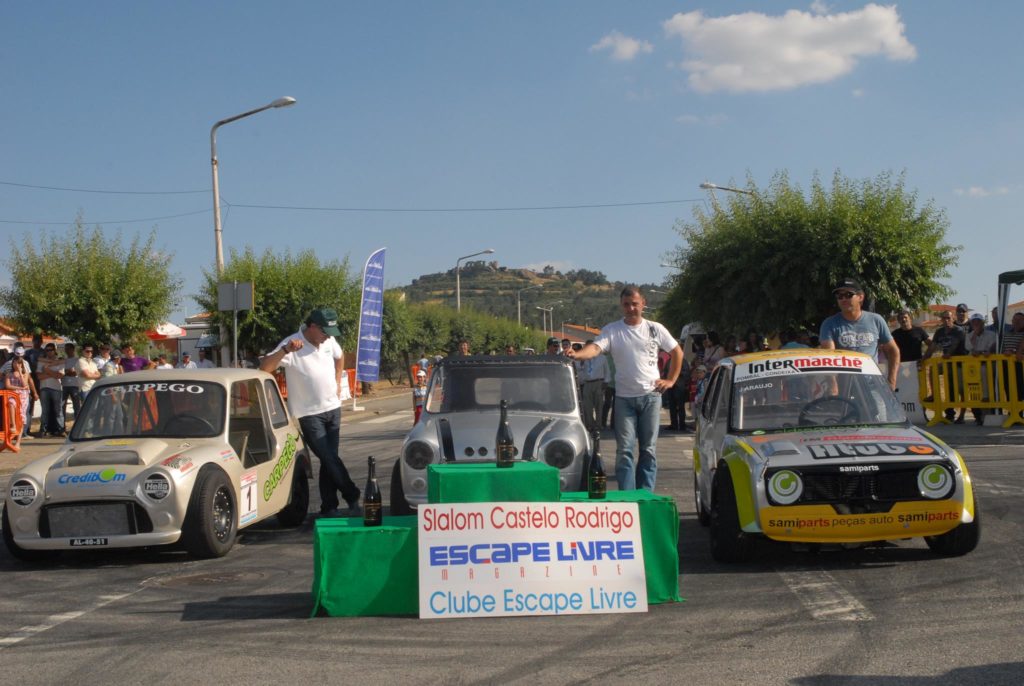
{"points": [[247, 510]]}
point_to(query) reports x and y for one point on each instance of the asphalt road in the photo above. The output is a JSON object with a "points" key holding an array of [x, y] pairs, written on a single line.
{"points": [[885, 615]]}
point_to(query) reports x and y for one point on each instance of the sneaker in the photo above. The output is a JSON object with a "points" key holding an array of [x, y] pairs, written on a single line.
{"points": [[27, 437]]}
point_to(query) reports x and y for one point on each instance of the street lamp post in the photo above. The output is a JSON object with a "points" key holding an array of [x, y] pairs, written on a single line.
{"points": [[519, 309], [219, 245], [458, 269], [708, 186], [280, 102]]}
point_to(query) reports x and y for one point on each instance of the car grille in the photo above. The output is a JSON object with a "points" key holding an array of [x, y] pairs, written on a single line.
{"points": [[99, 518], [873, 491]]}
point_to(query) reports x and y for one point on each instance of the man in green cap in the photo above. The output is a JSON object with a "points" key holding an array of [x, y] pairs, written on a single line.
{"points": [[313, 368]]}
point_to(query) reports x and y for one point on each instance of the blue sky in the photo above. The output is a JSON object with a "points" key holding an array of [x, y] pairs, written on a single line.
{"points": [[486, 105]]}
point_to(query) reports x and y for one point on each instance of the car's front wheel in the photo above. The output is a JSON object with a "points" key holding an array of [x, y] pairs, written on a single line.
{"points": [[399, 506], [211, 521], [294, 513], [961, 540], [728, 541], [17, 551]]}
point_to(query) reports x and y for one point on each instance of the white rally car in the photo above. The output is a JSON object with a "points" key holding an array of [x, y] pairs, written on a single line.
{"points": [[163, 457], [812, 447]]}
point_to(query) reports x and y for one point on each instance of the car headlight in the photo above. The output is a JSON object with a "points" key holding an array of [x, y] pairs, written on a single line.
{"points": [[934, 481], [156, 486], [785, 487], [559, 454], [418, 454], [23, 492]]}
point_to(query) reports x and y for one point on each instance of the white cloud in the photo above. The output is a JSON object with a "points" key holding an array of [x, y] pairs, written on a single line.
{"points": [[699, 120], [623, 48], [981, 192], [756, 52], [819, 7]]}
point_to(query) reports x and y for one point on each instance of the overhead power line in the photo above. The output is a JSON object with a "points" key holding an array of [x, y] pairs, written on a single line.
{"points": [[466, 209], [94, 190]]}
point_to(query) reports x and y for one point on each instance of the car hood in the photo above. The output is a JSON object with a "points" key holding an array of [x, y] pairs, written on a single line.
{"points": [[476, 430], [871, 444]]}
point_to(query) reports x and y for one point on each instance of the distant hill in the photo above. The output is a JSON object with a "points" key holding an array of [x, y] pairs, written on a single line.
{"points": [[585, 296]]}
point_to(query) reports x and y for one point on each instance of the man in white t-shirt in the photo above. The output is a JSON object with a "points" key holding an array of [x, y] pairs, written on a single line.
{"points": [[186, 361], [313, 369], [204, 362], [633, 343]]}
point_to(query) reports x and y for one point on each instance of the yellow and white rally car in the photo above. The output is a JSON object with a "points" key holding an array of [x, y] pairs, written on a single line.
{"points": [[812, 446], [183, 456]]}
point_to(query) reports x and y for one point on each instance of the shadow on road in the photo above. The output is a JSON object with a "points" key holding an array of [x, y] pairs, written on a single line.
{"points": [[255, 606]]}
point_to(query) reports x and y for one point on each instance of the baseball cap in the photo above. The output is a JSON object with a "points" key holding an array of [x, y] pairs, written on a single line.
{"points": [[848, 285], [962, 307], [186, 354], [19, 350], [421, 373], [326, 319], [977, 316], [115, 353], [552, 341]]}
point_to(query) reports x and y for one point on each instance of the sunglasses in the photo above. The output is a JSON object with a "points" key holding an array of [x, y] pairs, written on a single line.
{"points": [[845, 295], [87, 350]]}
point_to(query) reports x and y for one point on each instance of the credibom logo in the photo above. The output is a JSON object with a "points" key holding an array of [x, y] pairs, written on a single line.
{"points": [[106, 476]]}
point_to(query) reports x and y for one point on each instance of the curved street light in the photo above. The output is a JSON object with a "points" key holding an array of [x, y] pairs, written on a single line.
{"points": [[708, 186], [458, 269], [286, 101]]}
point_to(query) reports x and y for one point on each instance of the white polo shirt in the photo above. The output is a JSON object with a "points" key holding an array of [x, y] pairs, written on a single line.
{"points": [[309, 372]]}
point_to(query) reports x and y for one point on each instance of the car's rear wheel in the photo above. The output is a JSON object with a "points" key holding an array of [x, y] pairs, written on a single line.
{"points": [[294, 513], [399, 506], [211, 521], [728, 541], [703, 516], [961, 540], [17, 551]]}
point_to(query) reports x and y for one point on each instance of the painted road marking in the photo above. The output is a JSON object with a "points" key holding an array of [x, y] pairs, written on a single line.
{"points": [[58, 619], [824, 597], [393, 417]]}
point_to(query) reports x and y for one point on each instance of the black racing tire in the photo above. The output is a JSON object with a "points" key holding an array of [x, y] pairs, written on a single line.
{"points": [[211, 520], [294, 513], [17, 551], [728, 541], [959, 541], [399, 505], [703, 516]]}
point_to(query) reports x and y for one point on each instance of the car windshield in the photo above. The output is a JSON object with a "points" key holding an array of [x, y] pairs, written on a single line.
{"points": [[542, 388], [179, 409], [813, 398]]}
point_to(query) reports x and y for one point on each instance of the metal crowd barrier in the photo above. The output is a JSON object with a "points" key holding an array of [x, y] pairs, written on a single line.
{"points": [[988, 382], [10, 420]]}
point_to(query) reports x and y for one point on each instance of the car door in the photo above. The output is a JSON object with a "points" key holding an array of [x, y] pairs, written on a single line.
{"points": [[265, 474], [714, 420]]}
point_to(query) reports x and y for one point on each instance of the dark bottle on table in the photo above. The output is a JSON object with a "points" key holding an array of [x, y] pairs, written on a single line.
{"points": [[372, 505], [505, 445], [597, 482]]}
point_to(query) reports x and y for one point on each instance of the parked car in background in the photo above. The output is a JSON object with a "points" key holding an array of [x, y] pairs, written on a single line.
{"points": [[812, 446], [185, 457], [460, 421]]}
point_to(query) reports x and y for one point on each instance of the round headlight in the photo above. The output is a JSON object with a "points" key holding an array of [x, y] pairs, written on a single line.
{"points": [[559, 454], [785, 487], [23, 492], [156, 486], [418, 455], [934, 481]]}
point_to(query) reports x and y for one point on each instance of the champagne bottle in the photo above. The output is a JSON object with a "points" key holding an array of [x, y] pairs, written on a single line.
{"points": [[372, 513], [597, 482], [505, 445]]}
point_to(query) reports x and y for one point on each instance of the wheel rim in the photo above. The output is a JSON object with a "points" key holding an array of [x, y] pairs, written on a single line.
{"points": [[223, 514]]}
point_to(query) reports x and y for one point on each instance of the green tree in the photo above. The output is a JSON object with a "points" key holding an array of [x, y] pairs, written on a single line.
{"points": [[87, 287], [286, 288], [768, 259]]}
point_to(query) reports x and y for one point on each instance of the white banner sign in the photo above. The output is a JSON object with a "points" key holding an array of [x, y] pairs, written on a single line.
{"points": [[504, 559]]}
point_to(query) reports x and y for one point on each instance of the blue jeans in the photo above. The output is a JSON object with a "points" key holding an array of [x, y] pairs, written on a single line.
{"points": [[75, 393], [52, 419], [637, 419], [322, 435]]}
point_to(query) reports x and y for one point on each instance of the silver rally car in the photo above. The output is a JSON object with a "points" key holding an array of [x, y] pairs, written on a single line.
{"points": [[163, 457], [460, 420]]}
